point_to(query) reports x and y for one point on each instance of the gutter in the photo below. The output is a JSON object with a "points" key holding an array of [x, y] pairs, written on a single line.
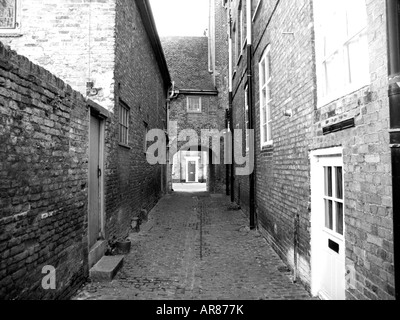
{"points": [[230, 108], [393, 34], [197, 92]]}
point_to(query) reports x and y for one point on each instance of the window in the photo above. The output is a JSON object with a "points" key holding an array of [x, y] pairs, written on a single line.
{"points": [[265, 99], [333, 199], [146, 130], [240, 30], [246, 117], [9, 16], [341, 47], [123, 123], [194, 104]]}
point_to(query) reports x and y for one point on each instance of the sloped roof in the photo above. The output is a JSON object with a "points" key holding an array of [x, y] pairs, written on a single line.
{"points": [[187, 59], [150, 26]]}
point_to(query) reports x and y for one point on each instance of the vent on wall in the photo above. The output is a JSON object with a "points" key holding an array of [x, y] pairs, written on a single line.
{"points": [[349, 123]]}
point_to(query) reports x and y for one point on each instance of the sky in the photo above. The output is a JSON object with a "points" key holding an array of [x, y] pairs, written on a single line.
{"points": [[180, 17]]}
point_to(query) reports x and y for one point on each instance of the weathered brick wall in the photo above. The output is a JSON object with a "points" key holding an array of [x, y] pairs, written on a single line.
{"points": [[131, 183], [239, 62], [283, 170], [43, 170], [74, 40], [221, 70], [367, 168]]}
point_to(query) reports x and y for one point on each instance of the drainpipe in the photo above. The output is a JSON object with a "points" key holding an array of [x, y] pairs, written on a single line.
{"points": [[230, 96], [251, 112], [169, 171], [393, 34], [226, 148]]}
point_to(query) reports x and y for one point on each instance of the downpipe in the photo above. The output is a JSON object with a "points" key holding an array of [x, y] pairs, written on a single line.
{"points": [[393, 35], [251, 113], [230, 108]]}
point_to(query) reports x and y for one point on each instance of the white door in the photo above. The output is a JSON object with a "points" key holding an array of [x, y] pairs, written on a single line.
{"points": [[329, 250]]}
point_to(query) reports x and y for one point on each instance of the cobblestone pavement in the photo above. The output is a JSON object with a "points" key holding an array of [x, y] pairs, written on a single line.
{"points": [[194, 248]]}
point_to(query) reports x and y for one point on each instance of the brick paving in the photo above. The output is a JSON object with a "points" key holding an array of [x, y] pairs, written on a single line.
{"points": [[194, 248]]}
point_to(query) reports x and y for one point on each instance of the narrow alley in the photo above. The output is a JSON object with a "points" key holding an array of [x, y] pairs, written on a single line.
{"points": [[199, 150], [195, 247]]}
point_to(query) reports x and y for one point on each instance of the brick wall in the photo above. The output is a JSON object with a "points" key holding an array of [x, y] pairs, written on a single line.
{"points": [[367, 167], [74, 40], [239, 63], [187, 59], [283, 170], [43, 170], [221, 69], [131, 183], [212, 117]]}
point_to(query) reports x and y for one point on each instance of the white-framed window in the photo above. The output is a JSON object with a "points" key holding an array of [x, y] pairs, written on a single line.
{"points": [[341, 48], [10, 15], [194, 104], [123, 123], [246, 117], [265, 99], [333, 196]]}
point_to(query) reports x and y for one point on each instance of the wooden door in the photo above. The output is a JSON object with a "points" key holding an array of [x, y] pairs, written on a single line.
{"points": [[332, 253], [94, 181], [192, 171]]}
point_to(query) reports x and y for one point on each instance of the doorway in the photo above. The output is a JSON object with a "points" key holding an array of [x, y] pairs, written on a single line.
{"points": [[327, 221], [95, 189], [192, 167], [191, 171]]}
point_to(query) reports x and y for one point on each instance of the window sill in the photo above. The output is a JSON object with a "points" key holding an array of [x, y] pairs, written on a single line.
{"points": [[123, 145], [10, 34], [324, 101], [267, 145]]}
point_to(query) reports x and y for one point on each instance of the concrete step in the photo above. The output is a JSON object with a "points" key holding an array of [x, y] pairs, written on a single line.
{"points": [[106, 268]]}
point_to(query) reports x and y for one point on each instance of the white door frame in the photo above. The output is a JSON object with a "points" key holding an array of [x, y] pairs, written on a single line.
{"points": [[196, 159], [317, 219]]}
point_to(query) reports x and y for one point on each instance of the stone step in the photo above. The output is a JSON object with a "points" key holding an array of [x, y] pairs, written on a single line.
{"points": [[106, 268]]}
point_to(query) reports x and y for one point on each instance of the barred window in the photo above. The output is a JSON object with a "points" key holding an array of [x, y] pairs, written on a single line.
{"points": [[123, 123]]}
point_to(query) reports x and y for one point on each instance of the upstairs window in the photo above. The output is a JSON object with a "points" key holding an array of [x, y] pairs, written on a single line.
{"points": [[9, 16], [341, 47], [194, 104], [123, 123], [265, 99]]}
